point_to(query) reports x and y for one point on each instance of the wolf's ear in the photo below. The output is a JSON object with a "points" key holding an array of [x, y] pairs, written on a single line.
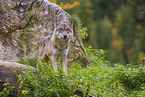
{"points": [[70, 23]]}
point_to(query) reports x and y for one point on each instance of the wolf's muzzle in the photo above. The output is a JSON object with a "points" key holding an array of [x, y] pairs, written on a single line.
{"points": [[65, 36]]}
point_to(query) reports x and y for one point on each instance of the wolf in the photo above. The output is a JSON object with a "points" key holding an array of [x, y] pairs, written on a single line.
{"points": [[57, 45]]}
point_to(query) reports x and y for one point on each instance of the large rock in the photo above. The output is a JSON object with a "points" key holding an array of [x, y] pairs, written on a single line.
{"points": [[7, 73], [23, 23]]}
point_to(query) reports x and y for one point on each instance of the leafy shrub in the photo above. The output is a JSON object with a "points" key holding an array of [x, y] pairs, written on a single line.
{"points": [[83, 33], [8, 90], [99, 80], [130, 76], [46, 83], [97, 56]]}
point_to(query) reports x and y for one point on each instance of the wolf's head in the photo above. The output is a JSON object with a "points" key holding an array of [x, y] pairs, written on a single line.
{"points": [[64, 30]]}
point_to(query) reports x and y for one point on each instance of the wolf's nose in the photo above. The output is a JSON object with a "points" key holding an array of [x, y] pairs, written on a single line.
{"points": [[65, 36]]}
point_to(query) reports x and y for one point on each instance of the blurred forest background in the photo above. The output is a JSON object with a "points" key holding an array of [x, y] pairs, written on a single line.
{"points": [[115, 25]]}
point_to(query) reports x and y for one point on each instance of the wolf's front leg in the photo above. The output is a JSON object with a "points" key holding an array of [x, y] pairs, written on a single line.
{"points": [[65, 61], [54, 63]]}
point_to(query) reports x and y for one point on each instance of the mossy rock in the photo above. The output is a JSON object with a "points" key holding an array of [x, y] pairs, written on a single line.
{"points": [[7, 73]]}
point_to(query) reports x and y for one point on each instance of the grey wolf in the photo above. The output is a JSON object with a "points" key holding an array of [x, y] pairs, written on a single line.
{"points": [[57, 45]]}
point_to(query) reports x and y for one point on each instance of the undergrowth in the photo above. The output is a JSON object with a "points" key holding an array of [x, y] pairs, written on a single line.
{"points": [[98, 79]]}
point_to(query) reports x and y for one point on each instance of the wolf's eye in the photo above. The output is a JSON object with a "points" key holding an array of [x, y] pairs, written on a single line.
{"points": [[68, 31], [60, 30]]}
